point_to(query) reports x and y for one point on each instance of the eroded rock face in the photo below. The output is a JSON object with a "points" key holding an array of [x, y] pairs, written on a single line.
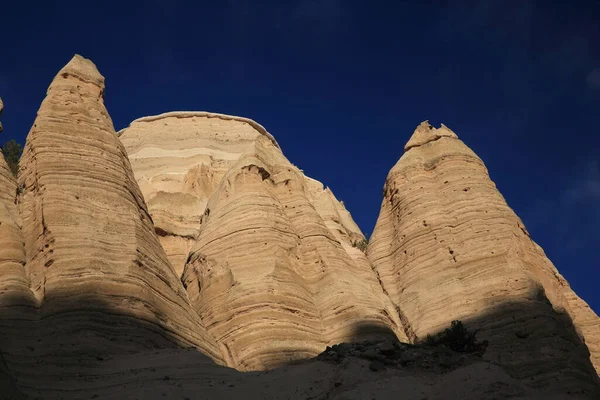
{"points": [[100, 279], [446, 246], [12, 252], [17, 303], [267, 269], [179, 159], [91, 307]]}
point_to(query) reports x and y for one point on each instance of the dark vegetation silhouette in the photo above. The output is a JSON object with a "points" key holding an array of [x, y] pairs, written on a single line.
{"points": [[528, 338], [12, 153], [361, 244], [457, 338]]}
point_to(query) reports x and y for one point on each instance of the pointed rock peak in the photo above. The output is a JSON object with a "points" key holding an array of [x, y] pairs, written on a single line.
{"points": [[1, 108], [426, 133], [82, 69]]}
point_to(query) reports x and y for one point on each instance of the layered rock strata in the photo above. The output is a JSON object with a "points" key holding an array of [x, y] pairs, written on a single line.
{"points": [[17, 303], [267, 269], [88, 258], [179, 159], [446, 246]]}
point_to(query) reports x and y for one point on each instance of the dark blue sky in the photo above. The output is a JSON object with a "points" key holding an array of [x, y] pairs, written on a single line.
{"points": [[342, 85]]}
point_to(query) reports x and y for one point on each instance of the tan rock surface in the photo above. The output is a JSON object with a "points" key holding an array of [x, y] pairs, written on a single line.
{"points": [[333, 212], [266, 269], [101, 281], [16, 300], [447, 246], [179, 159], [91, 307], [14, 282]]}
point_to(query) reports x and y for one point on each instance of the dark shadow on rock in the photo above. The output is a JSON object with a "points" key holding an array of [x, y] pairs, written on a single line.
{"points": [[41, 347], [528, 339], [533, 343]]}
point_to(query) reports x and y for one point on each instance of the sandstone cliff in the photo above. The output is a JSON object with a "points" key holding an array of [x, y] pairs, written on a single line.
{"points": [[262, 269], [447, 246], [97, 279], [179, 159], [16, 300], [287, 281]]}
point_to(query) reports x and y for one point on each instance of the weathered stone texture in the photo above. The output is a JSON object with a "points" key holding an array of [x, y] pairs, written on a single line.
{"points": [[446, 246], [179, 159], [96, 268], [266, 269]]}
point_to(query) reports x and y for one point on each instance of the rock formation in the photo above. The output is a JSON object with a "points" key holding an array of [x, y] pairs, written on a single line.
{"points": [[345, 372], [185, 160], [91, 269], [220, 251], [446, 246], [287, 280], [16, 300], [179, 159]]}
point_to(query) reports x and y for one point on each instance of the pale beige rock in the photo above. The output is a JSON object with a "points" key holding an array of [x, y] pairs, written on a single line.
{"points": [[333, 212], [90, 306], [101, 280], [15, 296], [446, 246], [271, 282], [16, 300], [179, 159]]}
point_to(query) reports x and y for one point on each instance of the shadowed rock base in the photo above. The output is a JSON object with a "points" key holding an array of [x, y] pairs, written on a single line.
{"points": [[376, 369], [447, 247]]}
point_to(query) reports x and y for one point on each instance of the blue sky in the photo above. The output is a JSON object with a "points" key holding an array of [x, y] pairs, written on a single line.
{"points": [[343, 84]]}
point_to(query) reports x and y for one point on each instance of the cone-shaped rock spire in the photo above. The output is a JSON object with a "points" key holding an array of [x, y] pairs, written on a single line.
{"points": [[94, 263], [447, 246], [267, 269], [426, 133]]}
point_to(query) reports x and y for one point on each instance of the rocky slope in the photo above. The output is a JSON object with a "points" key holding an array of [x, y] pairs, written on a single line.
{"points": [[179, 159], [343, 373], [262, 269], [287, 276], [446, 246], [16, 300], [92, 271]]}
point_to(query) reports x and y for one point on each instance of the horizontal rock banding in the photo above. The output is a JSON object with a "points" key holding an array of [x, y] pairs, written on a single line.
{"points": [[266, 269], [100, 278], [179, 159], [446, 246]]}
